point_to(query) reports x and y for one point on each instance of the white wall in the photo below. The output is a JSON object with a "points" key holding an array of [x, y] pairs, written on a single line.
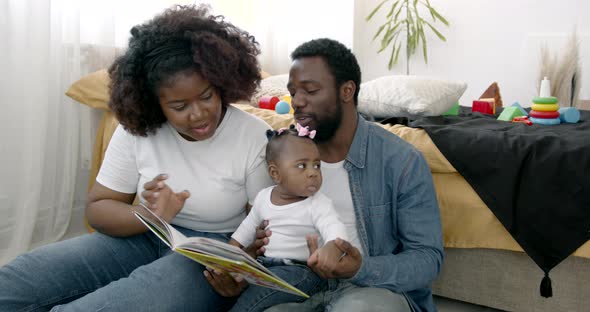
{"points": [[488, 40], [282, 25]]}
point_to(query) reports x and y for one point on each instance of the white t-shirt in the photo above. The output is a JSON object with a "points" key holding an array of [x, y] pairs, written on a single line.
{"points": [[222, 173], [335, 185], [290, 224]]}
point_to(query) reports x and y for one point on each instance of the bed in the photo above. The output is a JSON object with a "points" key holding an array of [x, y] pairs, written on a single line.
{"points": [[483, 263]]}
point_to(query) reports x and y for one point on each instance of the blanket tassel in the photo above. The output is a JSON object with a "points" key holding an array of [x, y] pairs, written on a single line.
{"points": [[546, 290]]}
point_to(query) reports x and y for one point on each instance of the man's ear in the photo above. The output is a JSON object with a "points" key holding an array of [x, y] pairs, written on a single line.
{"points": [[347, 91], [273, 172]]}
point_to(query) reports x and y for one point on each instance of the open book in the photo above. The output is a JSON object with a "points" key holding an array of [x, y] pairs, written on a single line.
{"points": [[214, 254]]}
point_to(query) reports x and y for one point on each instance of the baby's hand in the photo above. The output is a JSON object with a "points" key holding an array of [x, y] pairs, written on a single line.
{"points": [[262, 238], [161, 199]]}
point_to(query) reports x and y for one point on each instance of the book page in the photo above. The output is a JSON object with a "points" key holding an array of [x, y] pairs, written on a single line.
{"points": [[171, 236], [220, 249]]}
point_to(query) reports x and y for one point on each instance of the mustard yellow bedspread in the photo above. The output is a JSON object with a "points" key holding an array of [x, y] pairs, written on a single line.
{"points": [[466, 220]]}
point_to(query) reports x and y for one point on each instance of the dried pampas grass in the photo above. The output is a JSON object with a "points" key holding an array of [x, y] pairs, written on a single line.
{"points": [[564, 74]]}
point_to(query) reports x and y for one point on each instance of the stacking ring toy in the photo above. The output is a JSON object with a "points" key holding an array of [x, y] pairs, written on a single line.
{"points": [[545, 100], [545, 107], [544, 121], [541, 114]]}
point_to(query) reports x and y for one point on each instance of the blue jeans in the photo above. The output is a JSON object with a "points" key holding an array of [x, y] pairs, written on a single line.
{"points": [[98, 272], [342, 296], [257, 298]]}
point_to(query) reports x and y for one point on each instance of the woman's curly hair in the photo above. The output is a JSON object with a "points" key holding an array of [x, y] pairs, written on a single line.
{"points": [[181, 39]]}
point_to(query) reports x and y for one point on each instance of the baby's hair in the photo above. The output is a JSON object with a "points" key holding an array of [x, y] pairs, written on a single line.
{"points": [[276, 139]]}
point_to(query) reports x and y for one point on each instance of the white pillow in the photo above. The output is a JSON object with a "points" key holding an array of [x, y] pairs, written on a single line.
{"points": [[271, 86], [399, 96]]}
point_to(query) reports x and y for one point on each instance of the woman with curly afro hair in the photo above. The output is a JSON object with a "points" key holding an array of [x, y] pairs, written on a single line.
{"points": [[194, 160]]}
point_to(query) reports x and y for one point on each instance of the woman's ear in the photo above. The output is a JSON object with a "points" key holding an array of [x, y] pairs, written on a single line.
{"points": [[347, 91], [274, 173]]}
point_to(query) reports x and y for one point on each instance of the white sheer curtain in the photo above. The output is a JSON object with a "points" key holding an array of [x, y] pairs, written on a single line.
{"points": [[45, 45], [281, 25], [45, 137]]}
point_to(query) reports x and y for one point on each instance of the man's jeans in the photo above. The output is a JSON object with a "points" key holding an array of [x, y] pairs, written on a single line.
{"points": [[96, 272], [257, 298], [345, 297]]}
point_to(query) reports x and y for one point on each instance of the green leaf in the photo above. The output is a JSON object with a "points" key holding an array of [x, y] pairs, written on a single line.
{"points": [[392, 9], [423, 37], [406, 30], [430, 9], [394, 56], [386, 41], [398, 13], [416, 11], [442, 19], [438, 34], [375, 10], [385, 36], [379, 31]]}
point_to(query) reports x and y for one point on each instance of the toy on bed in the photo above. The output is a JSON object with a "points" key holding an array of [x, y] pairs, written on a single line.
{"points": [[268, 102], [545, 107], [489, 100], [284, 106], [281, 106]]}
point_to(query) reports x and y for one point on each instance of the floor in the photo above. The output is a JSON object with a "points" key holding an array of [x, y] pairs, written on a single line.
{"points": [[450, 305], [443, 304]]}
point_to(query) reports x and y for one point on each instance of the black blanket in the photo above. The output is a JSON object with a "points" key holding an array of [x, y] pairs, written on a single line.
{"points": [[535, 179]]}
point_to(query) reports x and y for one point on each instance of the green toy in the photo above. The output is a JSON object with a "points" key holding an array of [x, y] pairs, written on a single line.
{"points": [[454, 111], [545, 100], [509, 113]]}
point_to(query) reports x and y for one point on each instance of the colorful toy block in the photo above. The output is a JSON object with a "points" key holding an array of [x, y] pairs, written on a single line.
{"points": [[569, 114], [483, 107], [509, 113], [522, 110], [523, 119], [453, 111]]}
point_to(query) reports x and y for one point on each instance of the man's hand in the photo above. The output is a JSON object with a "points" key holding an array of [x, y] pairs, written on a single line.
{"points": [[224, 284], [161, 199], [262, 238], [336, 259]]}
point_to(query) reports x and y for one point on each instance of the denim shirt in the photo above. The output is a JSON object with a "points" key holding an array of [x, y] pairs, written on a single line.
{"points": [[397, 215]]}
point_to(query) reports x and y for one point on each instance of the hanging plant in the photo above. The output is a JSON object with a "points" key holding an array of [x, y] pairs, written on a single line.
{"points": [[404, 18]]}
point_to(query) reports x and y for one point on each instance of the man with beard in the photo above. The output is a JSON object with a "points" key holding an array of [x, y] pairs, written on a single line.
{"points": [[382, 190]]}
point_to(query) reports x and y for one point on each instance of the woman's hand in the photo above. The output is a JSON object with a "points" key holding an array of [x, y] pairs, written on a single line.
{"points": [[224, 284], [336, 259], [262, 238], [161, 199]]}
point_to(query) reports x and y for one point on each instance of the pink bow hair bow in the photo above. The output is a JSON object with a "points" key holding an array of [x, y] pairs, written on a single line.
{"points": [[304, 131]]}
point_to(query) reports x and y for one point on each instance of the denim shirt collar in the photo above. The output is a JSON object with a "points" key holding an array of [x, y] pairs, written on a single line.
{"points": [[357, 154]]}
